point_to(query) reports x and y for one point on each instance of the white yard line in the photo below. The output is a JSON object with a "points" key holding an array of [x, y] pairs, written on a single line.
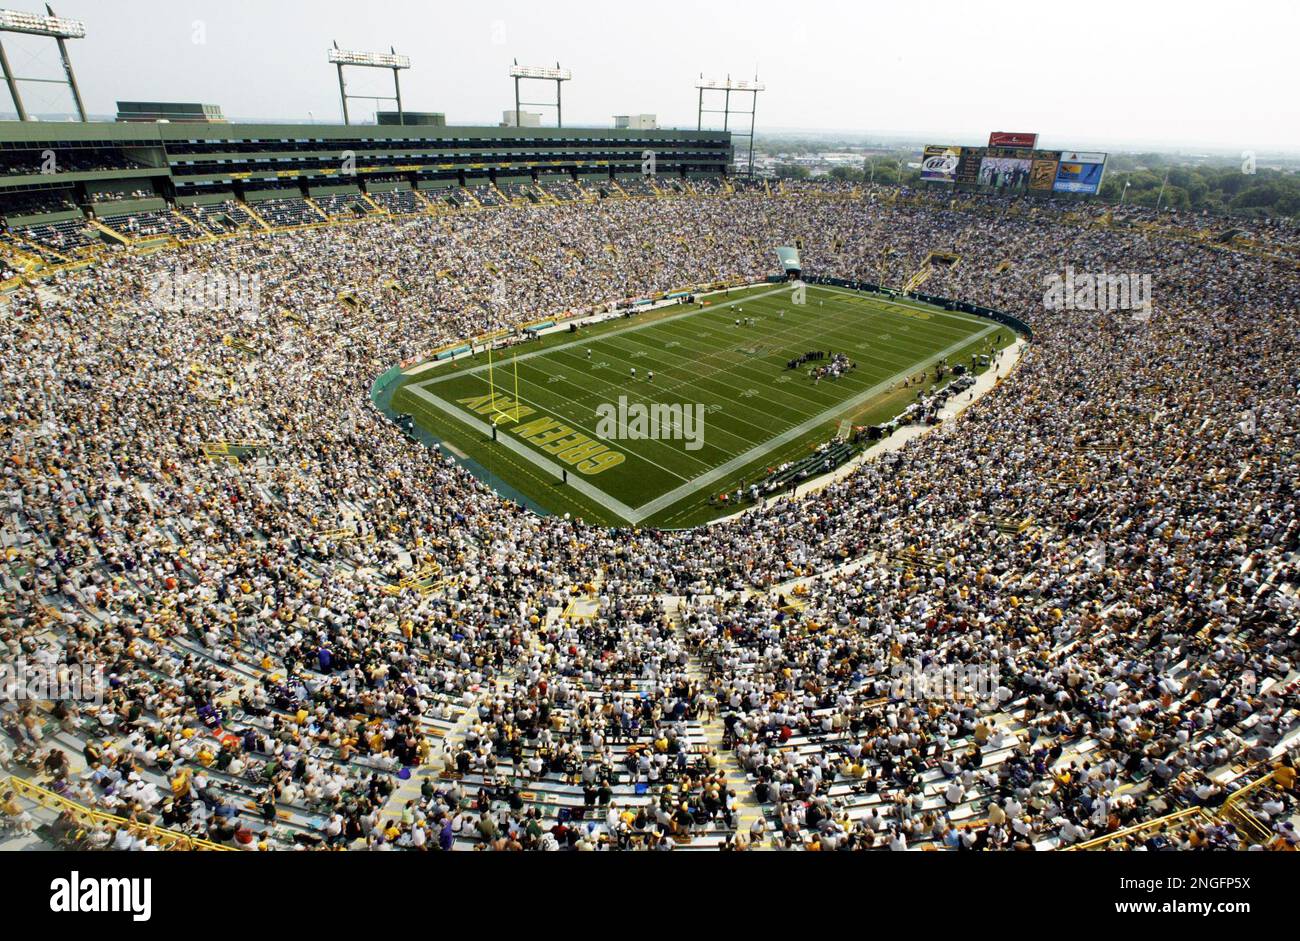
{"points": [[740, 460], [575, 479], [612, 333], [634, 515], [984, 384]]}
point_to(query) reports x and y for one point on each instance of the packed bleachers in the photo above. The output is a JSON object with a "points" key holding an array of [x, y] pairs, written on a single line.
{"points": [[1008, 633]]}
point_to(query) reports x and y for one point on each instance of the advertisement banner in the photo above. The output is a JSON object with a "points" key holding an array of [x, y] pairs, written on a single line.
{"points": [[1013, 139], [968, 171], [940, 162], [1042, 173], [1080, 173], [1005, 168], [1076, 156]]}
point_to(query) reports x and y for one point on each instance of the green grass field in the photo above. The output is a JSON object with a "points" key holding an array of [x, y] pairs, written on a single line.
{"points": [[756, 412]]}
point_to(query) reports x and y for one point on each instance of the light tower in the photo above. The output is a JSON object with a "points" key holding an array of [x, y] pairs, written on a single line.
{"points": [[727, 87], [526, 72], [58, 29], [372, 60]]}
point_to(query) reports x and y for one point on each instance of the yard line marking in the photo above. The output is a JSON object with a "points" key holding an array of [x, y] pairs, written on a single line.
{"points": [[661, 389], [698, 483], [820, 331], [804, 324], [931, 309], [612, 333], [577, 426], [583, 409], [575, 480]]}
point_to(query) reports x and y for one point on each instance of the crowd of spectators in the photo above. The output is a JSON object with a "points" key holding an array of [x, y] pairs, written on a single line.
{"points": [[1095, 564]]}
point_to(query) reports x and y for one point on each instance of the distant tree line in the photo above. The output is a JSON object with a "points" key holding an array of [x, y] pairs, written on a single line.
{"points": [[1215, 189]]}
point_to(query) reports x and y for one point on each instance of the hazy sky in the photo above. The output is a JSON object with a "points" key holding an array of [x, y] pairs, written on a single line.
{"points": [[1082, 73]]}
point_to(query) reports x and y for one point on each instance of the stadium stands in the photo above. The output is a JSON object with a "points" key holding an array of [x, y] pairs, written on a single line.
{"points": [[288, 211], [228, 216], [343, 204], [1067, 617], [151, 224], [398, 201]]}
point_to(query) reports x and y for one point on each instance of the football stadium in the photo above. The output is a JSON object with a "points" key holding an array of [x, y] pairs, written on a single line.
{"points": [[428, 487]]}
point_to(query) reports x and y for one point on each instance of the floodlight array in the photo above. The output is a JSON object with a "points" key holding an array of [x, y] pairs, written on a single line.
{"points": [[381, 60], [57, 27]]}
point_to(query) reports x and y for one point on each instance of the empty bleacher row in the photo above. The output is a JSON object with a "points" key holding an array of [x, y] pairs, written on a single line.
{"points": [[563, 190], [344, 205], [154, 223], [637, 186], [288, 211], [521, 192], [399, 201], [221, 218], [486, 195], [24, 253], [65, 236]]}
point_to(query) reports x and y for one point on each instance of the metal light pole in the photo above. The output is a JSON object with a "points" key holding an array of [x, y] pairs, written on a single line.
{"points": [[557, 75], [54, 27], [374, 60], [727, 86]]}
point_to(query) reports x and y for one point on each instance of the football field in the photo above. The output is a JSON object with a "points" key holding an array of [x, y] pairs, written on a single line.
{"points": [[647, 420]]}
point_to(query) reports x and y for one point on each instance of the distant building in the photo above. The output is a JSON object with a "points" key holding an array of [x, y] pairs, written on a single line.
{"points": [[412, 118], [174, 112], [636, 122], [526, 119]]}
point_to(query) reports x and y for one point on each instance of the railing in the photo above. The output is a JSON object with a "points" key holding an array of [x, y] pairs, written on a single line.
{"points": [[1231, 810], [167, 839], [1234, 809], [1189, 815]]}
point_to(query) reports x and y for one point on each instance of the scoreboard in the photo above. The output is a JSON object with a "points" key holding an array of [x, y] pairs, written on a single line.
{"points": [[1012, 162]]}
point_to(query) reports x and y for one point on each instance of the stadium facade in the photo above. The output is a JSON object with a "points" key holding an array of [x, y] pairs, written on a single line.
{"points": [[56, 172]]}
